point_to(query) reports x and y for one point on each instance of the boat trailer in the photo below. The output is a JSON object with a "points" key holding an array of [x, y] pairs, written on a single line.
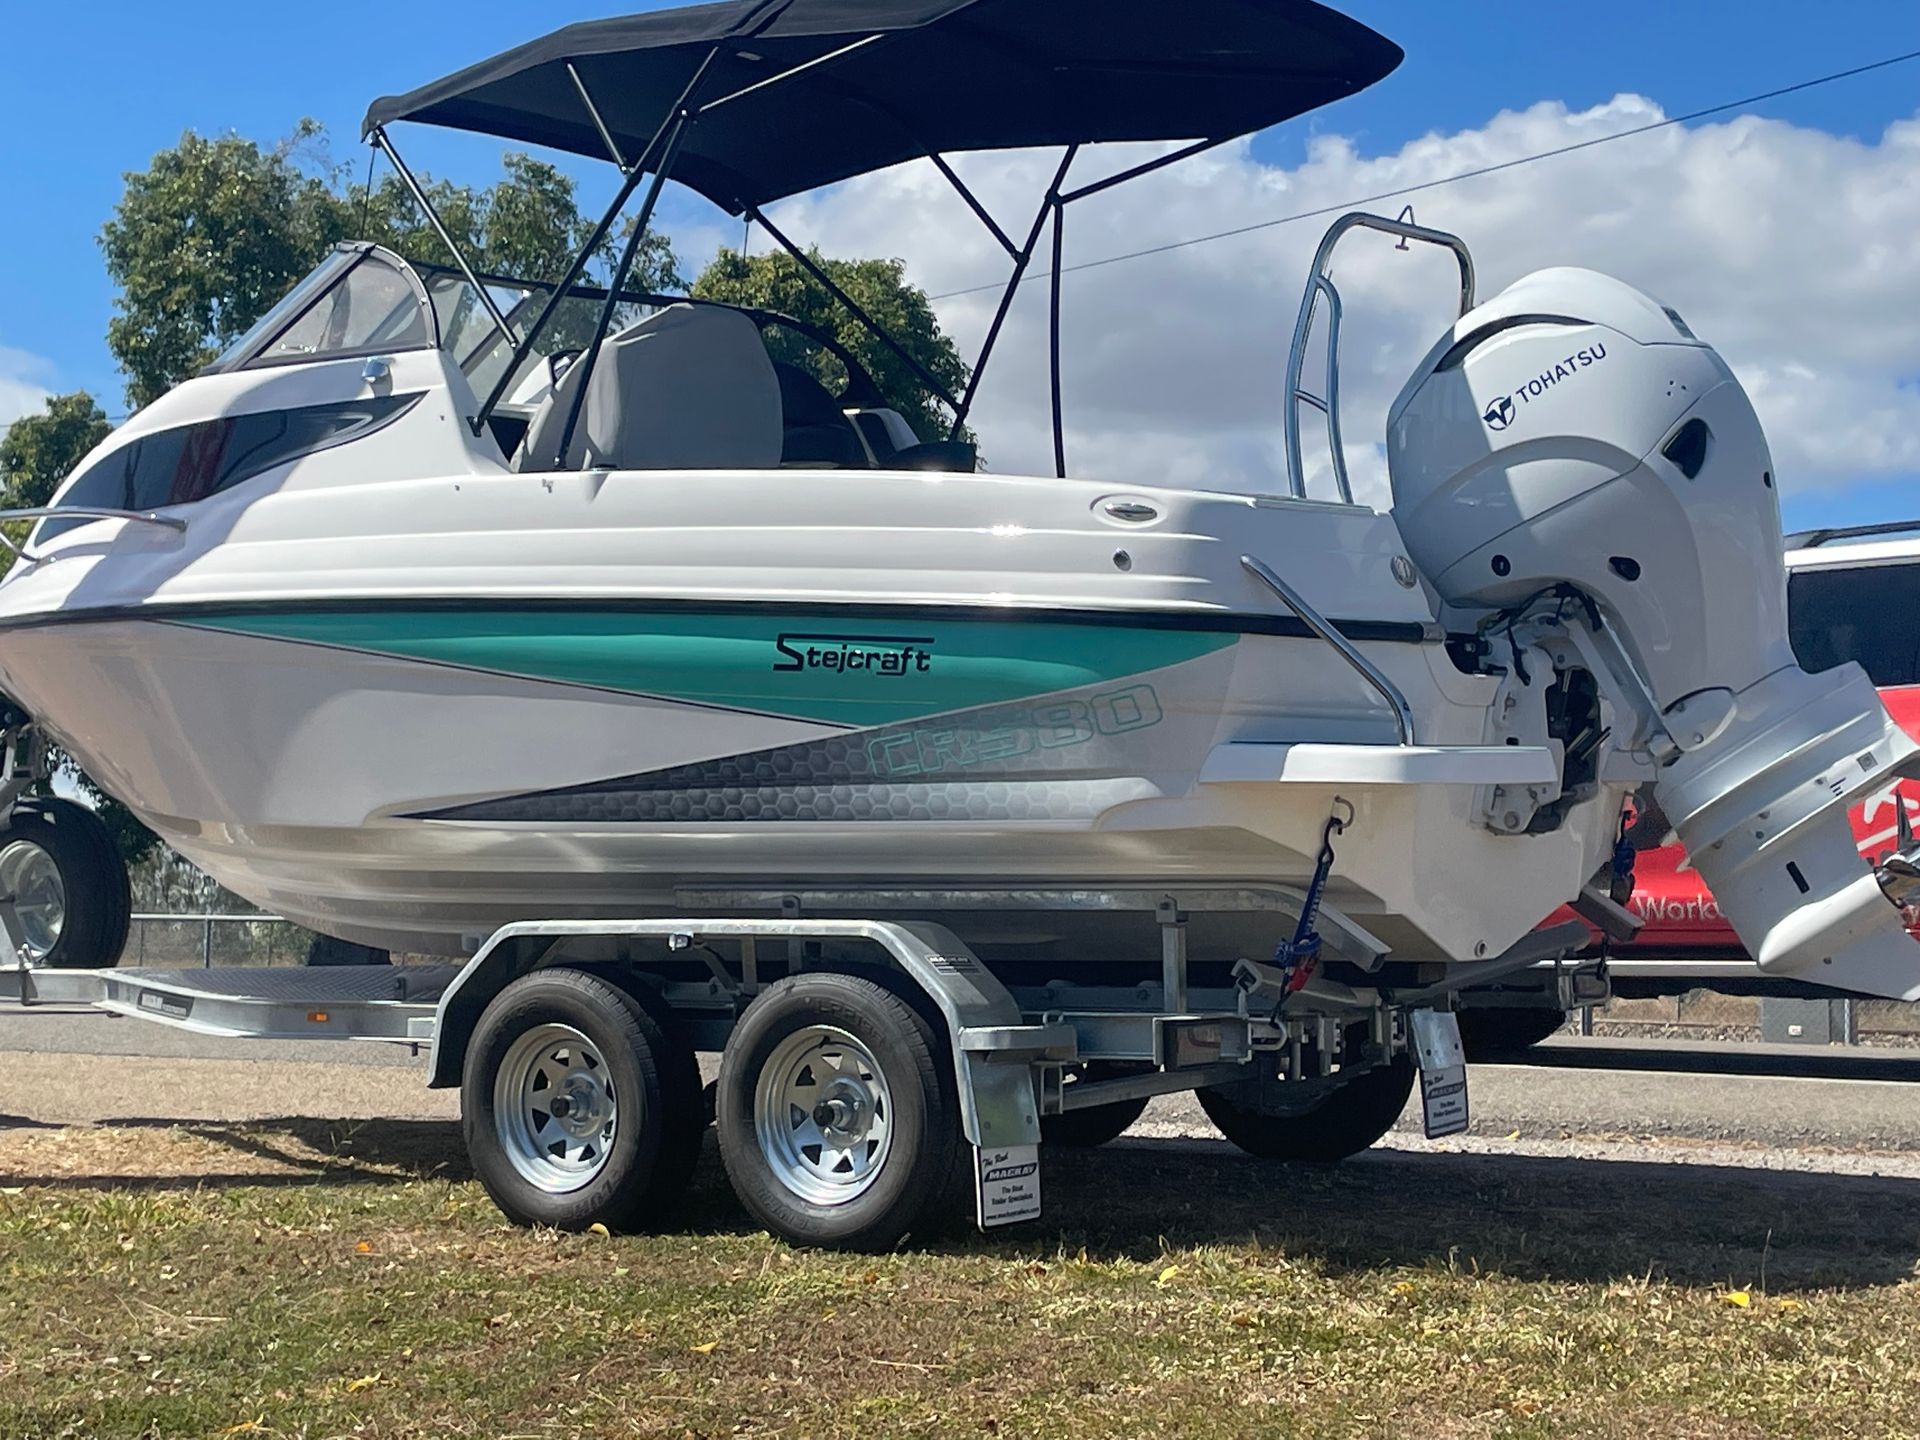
{"points": [[1270, 1051]]}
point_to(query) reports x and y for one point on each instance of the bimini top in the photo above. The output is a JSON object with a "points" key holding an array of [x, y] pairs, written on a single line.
{"points": [[864, 84]]}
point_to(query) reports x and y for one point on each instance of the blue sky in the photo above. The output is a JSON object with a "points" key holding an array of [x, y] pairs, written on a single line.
{"points": [[96, 88]]}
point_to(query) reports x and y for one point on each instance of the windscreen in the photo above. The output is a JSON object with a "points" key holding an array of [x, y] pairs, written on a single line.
{"points": [[470, 336], [358, 301]]}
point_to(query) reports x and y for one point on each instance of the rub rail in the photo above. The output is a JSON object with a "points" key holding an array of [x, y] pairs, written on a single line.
{"points": [[83, 512]]}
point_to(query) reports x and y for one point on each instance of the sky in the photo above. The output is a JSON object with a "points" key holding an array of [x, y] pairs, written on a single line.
{"points": [[1788, 232]]}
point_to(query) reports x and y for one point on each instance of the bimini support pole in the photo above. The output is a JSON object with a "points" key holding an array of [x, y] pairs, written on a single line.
{"points": [[985, 216], [1020, 263], [635, 174], [599, 122], [867, 322], [379, 138], [1053, 208], [1053, 338], [591, 355]]}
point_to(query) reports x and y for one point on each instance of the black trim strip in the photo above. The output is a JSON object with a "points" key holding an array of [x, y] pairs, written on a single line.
{"points": [[1289, 627], [1467, 344]]}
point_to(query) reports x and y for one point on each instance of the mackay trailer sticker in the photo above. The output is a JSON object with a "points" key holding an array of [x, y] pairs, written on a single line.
{"points": [[1007, 1184], [1443, 1072]]}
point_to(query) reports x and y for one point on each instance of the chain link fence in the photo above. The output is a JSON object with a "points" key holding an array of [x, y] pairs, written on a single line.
{"points": [[178, 942]]}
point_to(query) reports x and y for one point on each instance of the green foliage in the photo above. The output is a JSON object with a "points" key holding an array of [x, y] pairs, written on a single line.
{"points": [[39, 451], [214, 232], [203, 243], [777, 282], [527, 225]]}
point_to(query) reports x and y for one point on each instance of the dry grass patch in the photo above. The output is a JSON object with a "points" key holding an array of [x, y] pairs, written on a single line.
{"points": [[162, 1282]]}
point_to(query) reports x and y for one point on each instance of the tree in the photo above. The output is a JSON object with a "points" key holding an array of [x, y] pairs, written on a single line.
{"points": [[203, 243], [214, 232], [779, 282], [39, 451]]}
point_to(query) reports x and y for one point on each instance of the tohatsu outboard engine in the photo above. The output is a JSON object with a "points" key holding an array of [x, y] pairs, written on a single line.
{"points": [[1571, 446]]}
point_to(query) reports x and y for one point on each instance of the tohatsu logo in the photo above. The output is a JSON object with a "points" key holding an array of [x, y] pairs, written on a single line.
{"points": [[1506, 410], [887, 655]]}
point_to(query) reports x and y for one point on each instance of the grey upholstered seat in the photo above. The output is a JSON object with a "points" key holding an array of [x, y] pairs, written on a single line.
{"points": [[688, 388]]}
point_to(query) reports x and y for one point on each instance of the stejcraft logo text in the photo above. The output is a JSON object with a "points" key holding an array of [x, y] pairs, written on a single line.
{"points": [[888, 655], [1504, 411]]}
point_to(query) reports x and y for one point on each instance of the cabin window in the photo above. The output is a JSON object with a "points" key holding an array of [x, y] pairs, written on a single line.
{"points": [[191, 462], [1869, 614]]}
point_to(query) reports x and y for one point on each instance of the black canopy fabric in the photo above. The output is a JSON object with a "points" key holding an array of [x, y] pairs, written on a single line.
{"points": [[936, 77]]}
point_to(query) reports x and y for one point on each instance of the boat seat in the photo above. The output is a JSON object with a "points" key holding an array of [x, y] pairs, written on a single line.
{"points": [[688, 388], [816, 431]]}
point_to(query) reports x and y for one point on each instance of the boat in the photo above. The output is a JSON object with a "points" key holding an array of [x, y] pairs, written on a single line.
{"points": [[445, 601]]}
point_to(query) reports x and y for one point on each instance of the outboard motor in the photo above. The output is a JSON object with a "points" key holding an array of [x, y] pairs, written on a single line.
{"points": [[1572, 441]]}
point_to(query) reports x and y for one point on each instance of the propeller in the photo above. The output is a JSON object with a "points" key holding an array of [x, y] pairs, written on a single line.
{"points": [[1899, 873]]}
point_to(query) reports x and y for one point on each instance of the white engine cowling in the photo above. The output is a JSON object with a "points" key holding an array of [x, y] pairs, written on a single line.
{"points": [[1573, 431]]}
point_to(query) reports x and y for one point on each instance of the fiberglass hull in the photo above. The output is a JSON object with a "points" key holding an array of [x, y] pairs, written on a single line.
{"points": [[414, 777]]}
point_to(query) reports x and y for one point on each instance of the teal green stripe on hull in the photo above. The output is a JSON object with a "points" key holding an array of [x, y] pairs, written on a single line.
{"points": [[806, 667]]}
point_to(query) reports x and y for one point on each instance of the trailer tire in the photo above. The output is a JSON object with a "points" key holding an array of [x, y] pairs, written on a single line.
{"points": [[1487, 1033], [1349, 1120], [325, 951], [839, 1125], [76, 902], [1098, 1125], [622, 1150]]}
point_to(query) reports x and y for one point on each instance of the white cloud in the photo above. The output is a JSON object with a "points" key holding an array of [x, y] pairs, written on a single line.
{"points": [[1789, 248], [21, 392]]}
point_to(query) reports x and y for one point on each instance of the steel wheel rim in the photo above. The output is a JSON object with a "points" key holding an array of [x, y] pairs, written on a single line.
{"points": [[823, 1114], [30, 875], [554, 1109]]}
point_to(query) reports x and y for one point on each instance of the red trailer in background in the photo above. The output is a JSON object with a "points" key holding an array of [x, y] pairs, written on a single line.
{"points": [[1853, 594]]}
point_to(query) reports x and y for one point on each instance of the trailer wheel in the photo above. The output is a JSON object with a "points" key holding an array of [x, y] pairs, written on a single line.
{"points": [[578, 1105], [1346, 1122], [71, 894], [836, 1111], [1093, 1127], [324, 951], [1487, 1033]]}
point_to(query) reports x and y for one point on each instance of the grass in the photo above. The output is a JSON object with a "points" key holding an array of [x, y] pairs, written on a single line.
{"points": [[293, 1280]]}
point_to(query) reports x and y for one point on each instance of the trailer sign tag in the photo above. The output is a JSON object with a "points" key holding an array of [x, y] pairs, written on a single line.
{"points": [[1443, 1072], [174, 1007], [1008, 1185]]}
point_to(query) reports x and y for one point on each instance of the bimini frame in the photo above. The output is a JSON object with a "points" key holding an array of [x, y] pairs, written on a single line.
{"points": [[657, 159]]}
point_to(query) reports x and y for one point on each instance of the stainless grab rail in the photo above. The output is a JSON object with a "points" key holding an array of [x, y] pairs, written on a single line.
{"points": [[1324, 628], [83, 512], [1320, 284]]}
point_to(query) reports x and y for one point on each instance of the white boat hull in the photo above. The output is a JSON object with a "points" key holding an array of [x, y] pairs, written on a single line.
{"points": [[420, 805]]}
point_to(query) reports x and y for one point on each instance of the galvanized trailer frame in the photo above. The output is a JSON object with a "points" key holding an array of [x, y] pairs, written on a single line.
{"points": [[1011, 1049]]}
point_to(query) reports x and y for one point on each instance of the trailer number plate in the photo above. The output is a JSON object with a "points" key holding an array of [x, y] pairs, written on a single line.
{"points": [[1443, 1072], [1008, 1184]]}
